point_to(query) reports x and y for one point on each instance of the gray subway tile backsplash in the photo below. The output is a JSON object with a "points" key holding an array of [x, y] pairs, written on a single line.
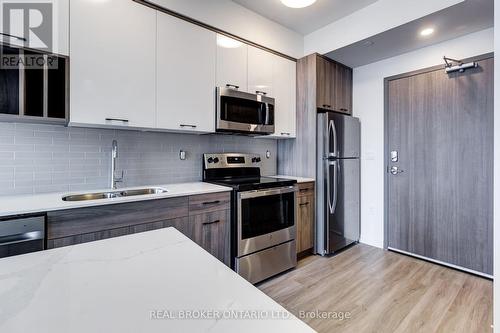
{"points": [[50, 158]]}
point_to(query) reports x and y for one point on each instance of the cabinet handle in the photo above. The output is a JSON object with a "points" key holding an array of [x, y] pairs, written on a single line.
{"points": [[12, 36], [303, 190], [213, 222], [327, 106], [211, 203], [232, 86], [285, 133], [117, 119], [263, 93], [187, 125], [304, 204], [344, 110]]}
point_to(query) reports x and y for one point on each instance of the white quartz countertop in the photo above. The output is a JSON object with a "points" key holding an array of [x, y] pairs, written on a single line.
{"points": [[298, 179], [25, 204], [120, 284]]}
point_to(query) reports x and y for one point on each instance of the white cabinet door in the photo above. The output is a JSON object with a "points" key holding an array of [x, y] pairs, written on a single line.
{"points": [[54, 13], [232, 63], [61, 27], [260, 71], [113, 63], [284, 87], [186, 57]]}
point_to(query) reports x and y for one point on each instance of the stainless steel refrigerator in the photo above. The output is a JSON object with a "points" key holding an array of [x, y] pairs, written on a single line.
{"points": [[338, 182]]}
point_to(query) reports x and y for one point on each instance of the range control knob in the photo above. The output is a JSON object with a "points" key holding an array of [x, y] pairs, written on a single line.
{"points": [[216, 160], [258, 159], [210, 160], [254, 159]]}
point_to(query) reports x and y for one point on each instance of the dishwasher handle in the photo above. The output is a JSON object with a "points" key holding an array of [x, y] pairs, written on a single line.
{"points": [[22, 229], [21, 238]]}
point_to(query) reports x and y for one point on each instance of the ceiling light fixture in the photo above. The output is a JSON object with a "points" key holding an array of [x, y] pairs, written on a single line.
{"points": [[297, 3], [427, 32]]}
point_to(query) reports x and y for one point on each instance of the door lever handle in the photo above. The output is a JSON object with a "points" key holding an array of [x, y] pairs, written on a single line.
{"points": [[394, 170]]}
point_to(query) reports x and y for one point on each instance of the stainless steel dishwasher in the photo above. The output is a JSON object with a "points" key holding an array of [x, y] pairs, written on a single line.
{"points": [[22, 235]]}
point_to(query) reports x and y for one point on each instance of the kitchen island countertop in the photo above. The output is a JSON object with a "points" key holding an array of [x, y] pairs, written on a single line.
{"points": [[138, 283]]}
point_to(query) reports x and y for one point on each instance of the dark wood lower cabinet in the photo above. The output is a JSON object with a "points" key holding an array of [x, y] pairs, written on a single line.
{"points": [[305, 218], [212, 232], [305, 223], [210, 229]]}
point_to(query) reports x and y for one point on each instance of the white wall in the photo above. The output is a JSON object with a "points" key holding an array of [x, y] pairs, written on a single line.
{"points": [[497, 172], [233, 18], [368, 105], [371, 20]]}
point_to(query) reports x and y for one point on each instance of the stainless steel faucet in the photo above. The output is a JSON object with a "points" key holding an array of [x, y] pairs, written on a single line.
{"points": [[114, 156]]}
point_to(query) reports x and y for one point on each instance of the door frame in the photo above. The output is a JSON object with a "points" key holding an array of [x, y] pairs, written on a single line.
{"points": [[386, 129]]}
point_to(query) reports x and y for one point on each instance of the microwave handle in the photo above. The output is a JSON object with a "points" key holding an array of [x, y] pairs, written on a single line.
{"points": [[267, 114]]}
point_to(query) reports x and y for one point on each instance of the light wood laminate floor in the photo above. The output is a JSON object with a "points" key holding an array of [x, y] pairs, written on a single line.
{"points": [[384, 292]]}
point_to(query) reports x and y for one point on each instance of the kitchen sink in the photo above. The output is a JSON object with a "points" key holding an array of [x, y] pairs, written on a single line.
{"points": [[143, 191], [114, 194]]}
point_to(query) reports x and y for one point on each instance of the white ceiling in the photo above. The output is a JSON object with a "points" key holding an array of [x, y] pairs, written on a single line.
{"points": [[464, 18], [305, 20]]}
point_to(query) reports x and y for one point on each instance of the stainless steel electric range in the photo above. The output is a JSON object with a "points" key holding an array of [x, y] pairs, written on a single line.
{"points": [[263, 215]]}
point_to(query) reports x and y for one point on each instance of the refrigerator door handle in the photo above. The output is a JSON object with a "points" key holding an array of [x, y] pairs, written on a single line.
{"points": [[332, 199], [332, 139]]}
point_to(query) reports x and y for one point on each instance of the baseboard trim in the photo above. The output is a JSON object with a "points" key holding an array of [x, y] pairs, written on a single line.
{"points": [[304, 254], [460, 268]]}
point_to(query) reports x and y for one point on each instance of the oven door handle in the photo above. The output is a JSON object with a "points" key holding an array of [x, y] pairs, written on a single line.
{"points": [[267, 192]]}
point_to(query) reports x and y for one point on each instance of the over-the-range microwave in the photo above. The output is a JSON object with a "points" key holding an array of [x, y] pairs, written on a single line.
{"points": [[244, 113]]}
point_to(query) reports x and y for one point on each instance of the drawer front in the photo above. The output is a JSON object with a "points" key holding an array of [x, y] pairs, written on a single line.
{"points": [[181, 224], [206, 203], [305, 189], [80, 221], [261, 265]]}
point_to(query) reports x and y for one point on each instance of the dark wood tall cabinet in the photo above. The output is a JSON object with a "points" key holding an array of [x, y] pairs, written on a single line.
{"points": [[321, 84], [342, 89], [324, 83], [333, 85]]}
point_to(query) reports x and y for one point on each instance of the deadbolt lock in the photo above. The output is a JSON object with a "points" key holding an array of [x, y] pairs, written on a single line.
{"points": [[394, 156]]}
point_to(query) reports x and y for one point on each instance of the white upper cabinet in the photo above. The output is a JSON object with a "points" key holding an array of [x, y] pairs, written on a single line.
{"points": [[58, 43], [113, 63], [284, 92], [186, 58], [232, 63], [260, 71]]}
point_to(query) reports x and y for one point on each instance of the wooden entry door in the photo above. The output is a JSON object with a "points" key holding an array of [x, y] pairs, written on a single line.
{"points": [[439, 196]]}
